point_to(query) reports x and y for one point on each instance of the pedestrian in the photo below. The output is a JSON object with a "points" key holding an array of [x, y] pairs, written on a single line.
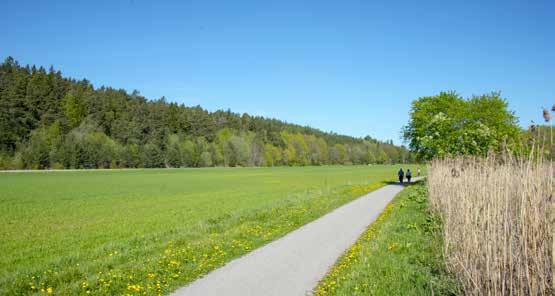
{"points": [[409, 175], [401, 175]]}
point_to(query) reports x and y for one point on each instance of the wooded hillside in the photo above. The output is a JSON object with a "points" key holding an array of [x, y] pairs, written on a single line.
{"points": [[48, 121]]}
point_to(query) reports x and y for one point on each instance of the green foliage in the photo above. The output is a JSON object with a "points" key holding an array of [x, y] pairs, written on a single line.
{"points": [[173, 152], [36, 153], [338, 154], [130, 156], [447, 125], [136, 132], [205, 159], [236, 151], [272, 155], [74, 110], [151, 156]]}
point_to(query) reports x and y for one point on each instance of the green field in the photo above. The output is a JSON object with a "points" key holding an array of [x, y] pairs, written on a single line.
{"points": [[151, 231]]}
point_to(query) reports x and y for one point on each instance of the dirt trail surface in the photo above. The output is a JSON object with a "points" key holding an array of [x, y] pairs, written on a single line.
{"points": [[293, 264]]}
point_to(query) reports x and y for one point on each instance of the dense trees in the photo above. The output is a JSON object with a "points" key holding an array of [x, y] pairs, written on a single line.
{"points": [[48, 121], [447, 124]]}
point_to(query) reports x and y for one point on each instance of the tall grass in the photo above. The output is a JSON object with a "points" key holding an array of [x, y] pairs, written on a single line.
{"points": [[498, 238]]}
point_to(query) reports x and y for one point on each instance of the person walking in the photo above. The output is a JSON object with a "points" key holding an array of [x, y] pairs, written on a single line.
{"points": [[409, 175], [401, 175]]}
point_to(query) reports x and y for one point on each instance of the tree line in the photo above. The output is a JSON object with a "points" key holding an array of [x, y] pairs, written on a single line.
{"points": [[50, 121]]}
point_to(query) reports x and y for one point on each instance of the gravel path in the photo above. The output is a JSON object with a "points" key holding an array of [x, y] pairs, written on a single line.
{"points": [[293, 264]]}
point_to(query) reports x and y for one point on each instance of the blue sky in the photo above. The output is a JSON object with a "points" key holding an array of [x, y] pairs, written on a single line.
{"points": [[352, 67]]}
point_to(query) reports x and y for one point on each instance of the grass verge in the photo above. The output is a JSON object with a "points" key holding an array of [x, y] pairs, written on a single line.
{"points": [[399, 254]]}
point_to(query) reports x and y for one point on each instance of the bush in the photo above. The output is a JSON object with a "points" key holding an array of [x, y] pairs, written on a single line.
{"points": [[206, 159], [36, 154], [151, 156], [57, 166], [237, 151]]}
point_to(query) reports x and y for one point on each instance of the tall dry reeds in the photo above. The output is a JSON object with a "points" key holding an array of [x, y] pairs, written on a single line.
{"points": [[496, 214]]}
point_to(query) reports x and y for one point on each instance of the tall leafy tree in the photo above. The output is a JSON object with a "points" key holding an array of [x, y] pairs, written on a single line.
{"points": [[74, 110], [447, 124]]}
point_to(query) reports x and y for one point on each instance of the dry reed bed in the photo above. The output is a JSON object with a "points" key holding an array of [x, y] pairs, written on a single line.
{"points": [[498, 238]]}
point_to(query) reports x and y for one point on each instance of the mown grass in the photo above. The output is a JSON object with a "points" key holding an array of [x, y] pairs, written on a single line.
{"points": [[399, 254], [151, 231]]}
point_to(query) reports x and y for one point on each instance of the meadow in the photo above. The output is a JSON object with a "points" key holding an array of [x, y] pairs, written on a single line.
{"points": [[149, 231]]}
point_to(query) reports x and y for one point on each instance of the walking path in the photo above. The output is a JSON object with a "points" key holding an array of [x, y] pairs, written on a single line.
{"points": [[293, 264]]}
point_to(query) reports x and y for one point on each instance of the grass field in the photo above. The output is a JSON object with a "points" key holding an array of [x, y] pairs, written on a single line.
{"points": [[399, 254], [151, 231]]}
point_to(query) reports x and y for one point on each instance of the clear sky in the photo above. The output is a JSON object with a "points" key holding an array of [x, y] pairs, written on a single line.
{"points": [[352, 67]]}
